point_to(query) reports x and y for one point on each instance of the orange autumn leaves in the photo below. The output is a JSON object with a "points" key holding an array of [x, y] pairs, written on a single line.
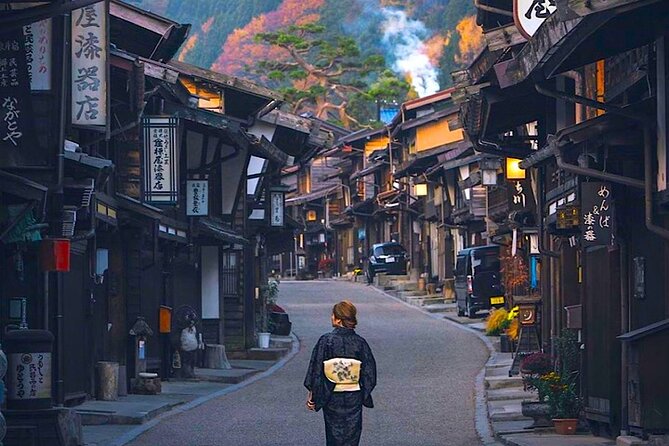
{"points": [[471, 40], [192, 40], [240, 50]]}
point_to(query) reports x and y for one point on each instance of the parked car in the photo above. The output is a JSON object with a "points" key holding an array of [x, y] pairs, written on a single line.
{"points": [[390, 258], [478, 281]]}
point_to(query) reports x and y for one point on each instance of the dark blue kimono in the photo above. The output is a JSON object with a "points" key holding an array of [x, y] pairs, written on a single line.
{"points": [[342, 410]]}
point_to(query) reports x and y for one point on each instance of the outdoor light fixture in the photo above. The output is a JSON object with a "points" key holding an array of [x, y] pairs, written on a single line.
{"points": [[534, 243], [489, 168], [420, 189], [513, 170]]}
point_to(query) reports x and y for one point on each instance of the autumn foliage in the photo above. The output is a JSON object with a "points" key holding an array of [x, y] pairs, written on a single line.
{"points": [[240, 50]]}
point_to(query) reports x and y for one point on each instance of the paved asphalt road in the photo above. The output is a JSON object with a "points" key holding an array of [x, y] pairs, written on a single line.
{"points": [[424, 397]]}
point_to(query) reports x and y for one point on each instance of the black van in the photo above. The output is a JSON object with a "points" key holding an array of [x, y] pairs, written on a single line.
{"points": [[478, 281]]}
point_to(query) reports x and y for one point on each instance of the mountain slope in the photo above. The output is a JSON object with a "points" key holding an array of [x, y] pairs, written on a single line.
{"points": [[421, 38]]}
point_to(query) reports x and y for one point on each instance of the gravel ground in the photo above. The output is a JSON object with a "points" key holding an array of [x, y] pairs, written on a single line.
{"points": [[424, 397]]}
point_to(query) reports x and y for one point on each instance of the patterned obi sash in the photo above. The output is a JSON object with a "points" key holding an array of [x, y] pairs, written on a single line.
{"points": [[344, 372]]}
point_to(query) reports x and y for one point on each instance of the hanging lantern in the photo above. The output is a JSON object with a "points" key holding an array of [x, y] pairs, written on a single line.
{"points": [[55, 255], [513, 170], [489, 167]]}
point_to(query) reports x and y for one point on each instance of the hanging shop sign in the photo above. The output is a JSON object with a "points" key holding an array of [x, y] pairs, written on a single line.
{"points": [[520, 195], [530, 14], [15, 105], [197, 198], [160, 160], [277, 207], [89, 65], [597, 214], [38, 40]]}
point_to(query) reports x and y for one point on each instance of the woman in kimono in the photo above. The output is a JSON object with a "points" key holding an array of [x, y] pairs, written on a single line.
{"points": [[341, 377]]}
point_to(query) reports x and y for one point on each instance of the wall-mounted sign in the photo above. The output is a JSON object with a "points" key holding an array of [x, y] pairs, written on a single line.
{"points": [[277, 206], [597, 214], [38, 54], [530, 14], [197, 198], [89, 65], [15, 105], [160, 159]]}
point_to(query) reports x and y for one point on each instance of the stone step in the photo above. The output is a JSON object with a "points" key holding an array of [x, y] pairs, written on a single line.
{"points": [[410, 294], [497, 371], [266, 354], [406, 286], [225, 376], [503, 382], [281, 342], [510, 393], [439, 308], [507, 416]]}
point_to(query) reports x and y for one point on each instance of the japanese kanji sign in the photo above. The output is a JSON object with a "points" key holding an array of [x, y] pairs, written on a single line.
{"points": [[530, 14], [38, 54], [15, 105], [197, 198], [520, 195], [276, 208], [30, 374], [89, 65], [160, 159], [597, 209]]}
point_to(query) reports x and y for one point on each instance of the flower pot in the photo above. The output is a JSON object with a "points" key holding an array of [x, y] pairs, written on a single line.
{"points": [[263, 340], [565, 426], [538, 411]]}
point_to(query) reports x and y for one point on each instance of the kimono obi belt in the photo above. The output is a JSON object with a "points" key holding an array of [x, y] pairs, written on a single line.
{"points": [[344, 372]]}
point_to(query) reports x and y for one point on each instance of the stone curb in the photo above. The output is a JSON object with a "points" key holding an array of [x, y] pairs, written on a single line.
{"points": [[139, 430]]}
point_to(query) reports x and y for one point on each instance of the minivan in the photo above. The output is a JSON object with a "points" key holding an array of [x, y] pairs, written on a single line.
{"points": [[478, 280], [390, 258]]}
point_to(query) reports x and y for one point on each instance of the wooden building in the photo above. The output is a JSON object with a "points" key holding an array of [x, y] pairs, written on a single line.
{"points": [[586, 111]]}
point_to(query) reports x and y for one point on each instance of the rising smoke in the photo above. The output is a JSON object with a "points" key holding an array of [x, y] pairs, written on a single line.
{"points": [[404, 41]]}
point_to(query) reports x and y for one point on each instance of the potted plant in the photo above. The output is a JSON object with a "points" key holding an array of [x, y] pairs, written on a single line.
{"points": [[562, 397], [532, 368], [326, 266], [497, 322], [268, 295]]}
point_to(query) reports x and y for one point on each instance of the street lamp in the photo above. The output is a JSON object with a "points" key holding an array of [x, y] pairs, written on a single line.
{"points": [[489, 167]]}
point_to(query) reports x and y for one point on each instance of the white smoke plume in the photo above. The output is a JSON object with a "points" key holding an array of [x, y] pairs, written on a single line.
{"points": [[404, 39]]}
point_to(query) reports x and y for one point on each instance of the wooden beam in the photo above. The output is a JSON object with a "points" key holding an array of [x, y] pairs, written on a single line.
{"points": [[504, 37], [289, 120], [587, 7]]}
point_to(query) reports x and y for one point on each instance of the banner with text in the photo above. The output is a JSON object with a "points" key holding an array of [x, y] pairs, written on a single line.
{"points": [[160, 159], [38, 40], [597, 214], [89, 65], [197, 198], [15, 103]]}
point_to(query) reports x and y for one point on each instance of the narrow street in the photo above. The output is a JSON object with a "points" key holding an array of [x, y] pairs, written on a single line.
{"points": [[425, 394]]}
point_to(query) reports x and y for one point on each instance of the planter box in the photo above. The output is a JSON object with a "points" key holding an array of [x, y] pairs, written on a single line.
{"points": [[538, 411]]}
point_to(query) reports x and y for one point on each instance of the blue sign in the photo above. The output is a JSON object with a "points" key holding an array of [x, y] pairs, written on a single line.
{"points": [[361, 233]]}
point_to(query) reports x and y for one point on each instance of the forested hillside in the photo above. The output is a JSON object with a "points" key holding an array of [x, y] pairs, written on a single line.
{"points": [[424, 35]]}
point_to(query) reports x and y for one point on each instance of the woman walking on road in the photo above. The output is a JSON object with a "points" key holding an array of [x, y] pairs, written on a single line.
{"points": [[341, 377]]}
